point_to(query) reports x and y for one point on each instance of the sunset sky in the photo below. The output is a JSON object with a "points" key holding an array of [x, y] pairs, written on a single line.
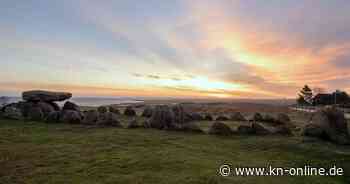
{"points": [[169, 48]]}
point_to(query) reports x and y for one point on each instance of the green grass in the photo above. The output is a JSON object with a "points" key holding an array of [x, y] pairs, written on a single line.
{"points": [[32, 152]]}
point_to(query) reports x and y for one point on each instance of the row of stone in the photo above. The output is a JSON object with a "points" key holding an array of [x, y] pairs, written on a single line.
{"points": [[237, 116], [257, 117], [40, 110], [174, 118], [328, 123], [255, 128]]}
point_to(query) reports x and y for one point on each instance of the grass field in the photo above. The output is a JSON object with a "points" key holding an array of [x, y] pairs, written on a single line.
{"points": [[32, 152]]}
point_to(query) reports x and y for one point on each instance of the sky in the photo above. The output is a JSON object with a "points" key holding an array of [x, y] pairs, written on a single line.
{"points": [[177, 48]]}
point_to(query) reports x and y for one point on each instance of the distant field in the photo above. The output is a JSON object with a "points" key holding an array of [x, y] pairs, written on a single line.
{"points": [[32, 152]]}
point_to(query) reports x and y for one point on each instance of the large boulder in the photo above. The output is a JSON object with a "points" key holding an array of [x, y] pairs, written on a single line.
{"points": [[55, 106], [219, 128], [53, 117], [147, 112], [30, 110], [260, 129], [46, 108], [263, 129], [222, 118], [129, 111], [70, 106], [283, 130], [12, 112], [133, 124], [90, 117], [258, 117], [179, 114], [237, 116], [45, 96], [245, 129], [283, 118], [114, 110], [146, 124], [269, 118], [208, 117], [102, 109], [191, 127], [195, 116], [162, 118], [25, 107], [108, 119], [71, 116], [329, 124], [35, 113], [188, 117]]}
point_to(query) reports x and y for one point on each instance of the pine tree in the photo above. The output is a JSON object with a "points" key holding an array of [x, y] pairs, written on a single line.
{"points": [[301, 100], [305, 96]]}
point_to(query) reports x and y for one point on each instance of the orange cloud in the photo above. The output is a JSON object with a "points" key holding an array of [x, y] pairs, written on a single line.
{"points": [[276, 57]]}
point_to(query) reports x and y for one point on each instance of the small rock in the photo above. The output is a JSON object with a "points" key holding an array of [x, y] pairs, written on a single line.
{"points": [[262, 129], [35, 114], [25, 107], [114, 110], [102, 109], [208, 117], [147, 112], [129, 111], [196, 116], [11, 112], [133, 124], [91, 117], [258, 117], [259, 129], [283, 130], [53, 117], [46, 108], [191, 127], [238, 117], [219, 128], [222, 118], [179, 114], [146, 124], [108, 119], [245, 129], [269, 119], [70, 106], [283, 118], [71, 116], [162, 118], [55, 106]]}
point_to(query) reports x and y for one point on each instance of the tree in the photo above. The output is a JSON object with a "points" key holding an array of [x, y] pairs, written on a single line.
{"points": [[301, 100], [305, 96]]}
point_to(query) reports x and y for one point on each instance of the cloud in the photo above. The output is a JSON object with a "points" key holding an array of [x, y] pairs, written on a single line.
{"points": [[278, 45], [248, 48], [157, 77]]}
